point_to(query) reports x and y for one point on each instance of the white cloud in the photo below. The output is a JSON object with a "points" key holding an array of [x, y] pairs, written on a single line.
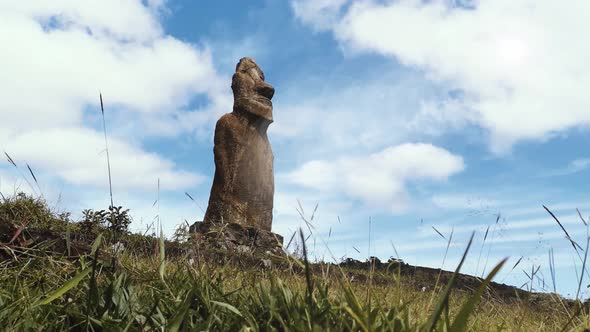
{"points": [[343, 115], [379, 178], [77, 156], [123, 19], [520, 64], [321, 14], [57, 56], [575, 166]]}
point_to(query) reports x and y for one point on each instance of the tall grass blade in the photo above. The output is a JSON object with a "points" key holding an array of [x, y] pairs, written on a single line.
{"points": [[444, 297], [158, 200], [92, 287], [66, 287], [162, 268], [583, 267], [192, 199], [300, 207], [68, 240], [32, 174], [96, 244], [315, 209], [460, 323], [517, 262], [571, 319], [574, 244], [442, 265], [290, 240], [10, 159], [106, 144], [582, 218], [308, 280], [485, 265], [228, 307], [35, 178], [357, 318], [439, 233], [181, 312], [552, 269], [353, 307], [369, 249], [481, 249], [527, 275], [302, 216], [394, 250]]}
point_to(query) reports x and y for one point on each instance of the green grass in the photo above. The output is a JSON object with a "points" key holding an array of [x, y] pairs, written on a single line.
{"points": [[43, 287], [43, 292]]}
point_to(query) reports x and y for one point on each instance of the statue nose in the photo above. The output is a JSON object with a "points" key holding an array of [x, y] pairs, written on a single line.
{"points": [[266, 90]]}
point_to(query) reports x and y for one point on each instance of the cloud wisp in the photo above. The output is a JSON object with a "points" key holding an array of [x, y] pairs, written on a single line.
{"points": [[574, 166]]}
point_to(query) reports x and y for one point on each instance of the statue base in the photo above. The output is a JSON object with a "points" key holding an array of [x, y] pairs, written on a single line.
{"points": [[235, 238]]}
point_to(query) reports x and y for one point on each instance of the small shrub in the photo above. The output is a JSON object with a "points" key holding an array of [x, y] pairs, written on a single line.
{"points": [[116, 221], [24, 209], [92, 224]]}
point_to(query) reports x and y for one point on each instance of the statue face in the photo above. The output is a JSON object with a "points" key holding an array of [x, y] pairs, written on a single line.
{"points": [[251, 93]]}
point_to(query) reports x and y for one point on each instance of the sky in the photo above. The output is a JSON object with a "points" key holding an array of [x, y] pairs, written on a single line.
{"points": [[394, 120]]}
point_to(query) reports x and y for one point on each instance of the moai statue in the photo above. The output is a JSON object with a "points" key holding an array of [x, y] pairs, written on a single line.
{"points": [[243, 186]]}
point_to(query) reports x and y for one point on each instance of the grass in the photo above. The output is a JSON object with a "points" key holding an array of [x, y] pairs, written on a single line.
{"points": [[44, 288]]}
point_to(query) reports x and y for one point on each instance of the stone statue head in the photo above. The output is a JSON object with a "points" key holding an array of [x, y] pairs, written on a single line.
{"points": [[251, 93]]}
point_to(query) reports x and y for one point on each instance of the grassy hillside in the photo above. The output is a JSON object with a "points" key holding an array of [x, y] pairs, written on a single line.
{"points": [[56, 274]]}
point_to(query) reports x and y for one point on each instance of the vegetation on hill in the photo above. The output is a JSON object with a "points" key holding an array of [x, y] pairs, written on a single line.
{"points": [[95, 275]]}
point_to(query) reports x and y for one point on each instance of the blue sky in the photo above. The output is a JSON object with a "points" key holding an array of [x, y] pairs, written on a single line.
{"points": [[394, 117]]}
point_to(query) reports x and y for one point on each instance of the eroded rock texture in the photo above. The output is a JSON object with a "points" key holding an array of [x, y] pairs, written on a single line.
{"points": [[243, 186]]}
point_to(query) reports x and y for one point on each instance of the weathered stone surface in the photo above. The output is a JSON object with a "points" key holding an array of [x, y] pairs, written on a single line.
{"points": [[236, 238], [243, 186]]}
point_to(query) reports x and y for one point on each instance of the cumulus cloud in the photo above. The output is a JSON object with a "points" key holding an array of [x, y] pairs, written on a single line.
{"points": [[77, 156], [380, 178], [520, 64], [57, 56]]}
